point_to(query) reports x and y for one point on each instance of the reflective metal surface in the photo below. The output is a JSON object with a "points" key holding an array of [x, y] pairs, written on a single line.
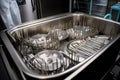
{"points": [[96, 26]]}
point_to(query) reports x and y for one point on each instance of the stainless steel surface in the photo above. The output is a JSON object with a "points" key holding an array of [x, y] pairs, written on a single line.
{"points": [[66, 21], [61, 34]]}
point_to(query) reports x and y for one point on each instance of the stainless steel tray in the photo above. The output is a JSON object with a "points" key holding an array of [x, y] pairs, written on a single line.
{"points": [[64, 21]]}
